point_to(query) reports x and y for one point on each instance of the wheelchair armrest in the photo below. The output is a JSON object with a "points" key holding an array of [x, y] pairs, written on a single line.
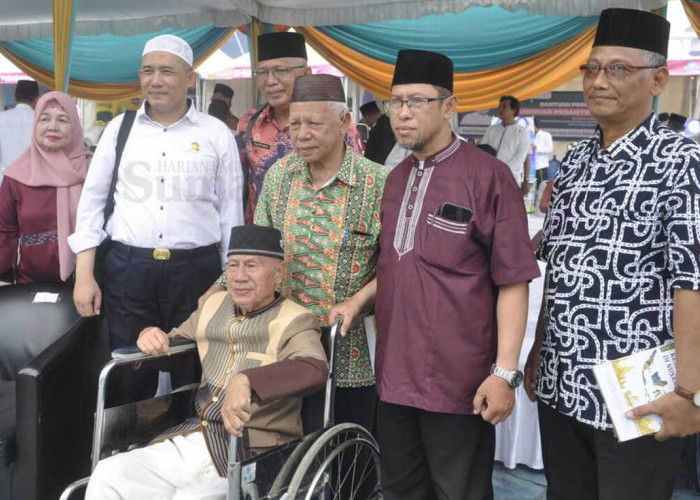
{"points": [[133, 353]]}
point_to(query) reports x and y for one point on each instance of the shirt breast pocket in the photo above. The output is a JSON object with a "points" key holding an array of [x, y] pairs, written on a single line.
{"points": [[361, 246], [443, 242]]}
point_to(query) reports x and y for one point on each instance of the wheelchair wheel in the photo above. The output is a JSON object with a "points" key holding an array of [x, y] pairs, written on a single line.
{"points": [[342, 464]]}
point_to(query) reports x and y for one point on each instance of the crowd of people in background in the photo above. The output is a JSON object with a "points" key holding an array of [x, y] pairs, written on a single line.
{"points": [[295, 207]]}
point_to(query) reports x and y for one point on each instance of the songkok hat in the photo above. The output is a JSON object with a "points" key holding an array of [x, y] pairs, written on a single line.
{"points": [[318, 88], [369, 107], [421, 66], [170, 43], [637, 29], [27, 90], [219, 109], [256, 240], [281, 44], [224, 90]]}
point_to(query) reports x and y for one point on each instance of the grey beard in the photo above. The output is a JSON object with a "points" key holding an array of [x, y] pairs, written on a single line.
{"points": [[416, 145]]}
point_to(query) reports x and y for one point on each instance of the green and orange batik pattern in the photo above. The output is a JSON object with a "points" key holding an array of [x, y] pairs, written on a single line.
{"points": [[331, 238]]}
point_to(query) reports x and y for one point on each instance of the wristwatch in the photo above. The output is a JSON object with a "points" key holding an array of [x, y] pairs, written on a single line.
{"points": [[513, 377], [686, 394]]}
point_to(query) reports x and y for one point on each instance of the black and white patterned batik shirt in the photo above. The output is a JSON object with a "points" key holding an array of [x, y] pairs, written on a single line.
{"points": [[622, 232]]}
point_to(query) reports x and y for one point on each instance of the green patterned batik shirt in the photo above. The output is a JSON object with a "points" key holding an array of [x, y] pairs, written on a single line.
{"points": [[331, 241]]}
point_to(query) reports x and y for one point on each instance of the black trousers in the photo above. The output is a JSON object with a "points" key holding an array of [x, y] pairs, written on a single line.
{"points": [[140, 292], [357, 405], [540, 176], [582, 463], [427, 455]]}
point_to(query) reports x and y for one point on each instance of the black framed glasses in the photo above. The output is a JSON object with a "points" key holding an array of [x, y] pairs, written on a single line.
{"points": [[614, 71], [412, 103], [279, 72]]}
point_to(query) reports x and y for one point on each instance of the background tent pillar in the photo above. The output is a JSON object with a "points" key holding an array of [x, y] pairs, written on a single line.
{"points": [[63, 27]]}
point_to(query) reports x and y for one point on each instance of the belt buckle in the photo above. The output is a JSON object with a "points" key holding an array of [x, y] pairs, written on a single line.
{"points": [[161, 254]]}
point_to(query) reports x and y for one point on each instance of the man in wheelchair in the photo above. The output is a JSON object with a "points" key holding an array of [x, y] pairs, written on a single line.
{"points": [[260, 352]]}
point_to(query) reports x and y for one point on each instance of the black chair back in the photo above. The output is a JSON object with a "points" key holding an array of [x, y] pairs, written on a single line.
{"points": [[28, 327]]}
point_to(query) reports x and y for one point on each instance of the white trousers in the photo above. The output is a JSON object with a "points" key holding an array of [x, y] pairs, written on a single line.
{"points": [[177, 469]]}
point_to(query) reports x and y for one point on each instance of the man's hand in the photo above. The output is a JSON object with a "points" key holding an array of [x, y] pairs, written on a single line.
{"points": [[153, 341], [531, 367], [494, 400], [348, 310], [237, 409], [680, 417], [525, 187], [211, 291], [87, 296]]}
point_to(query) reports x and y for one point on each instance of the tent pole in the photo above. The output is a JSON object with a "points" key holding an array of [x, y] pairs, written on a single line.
{"points": [[64, 13], [254, 29], [661, 11]]}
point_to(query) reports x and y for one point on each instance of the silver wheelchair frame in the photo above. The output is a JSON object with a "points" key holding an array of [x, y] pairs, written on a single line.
{"points": [[309, 470]]}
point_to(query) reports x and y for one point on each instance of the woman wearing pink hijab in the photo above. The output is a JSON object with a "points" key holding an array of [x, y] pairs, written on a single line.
{"points": [[39, 196]]}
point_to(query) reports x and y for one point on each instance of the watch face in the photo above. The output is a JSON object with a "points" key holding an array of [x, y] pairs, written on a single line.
{"points": [[696, 399], [517, 379]]}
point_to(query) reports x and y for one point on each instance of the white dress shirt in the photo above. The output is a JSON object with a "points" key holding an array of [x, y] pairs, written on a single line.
{"points": [[544, 147], [512, 143], [178, 187], [16, 126]]}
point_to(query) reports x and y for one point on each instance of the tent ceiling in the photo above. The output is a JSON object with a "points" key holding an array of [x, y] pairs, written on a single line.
{"points": [[32, 18]]}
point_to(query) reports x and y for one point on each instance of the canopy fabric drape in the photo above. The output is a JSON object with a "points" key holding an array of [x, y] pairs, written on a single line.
{"points": [[692, 10], [104, 67], [479, 38], [25, 19], [533, 74]]}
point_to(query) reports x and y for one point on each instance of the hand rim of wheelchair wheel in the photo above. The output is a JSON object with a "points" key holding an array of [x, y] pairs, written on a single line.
{"points": [[314, 465]]}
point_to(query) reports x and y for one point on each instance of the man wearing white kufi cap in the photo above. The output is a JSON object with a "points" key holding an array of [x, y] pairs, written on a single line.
{"points": [[177, 194]]}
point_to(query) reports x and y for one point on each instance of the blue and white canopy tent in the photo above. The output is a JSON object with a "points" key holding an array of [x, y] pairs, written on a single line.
{"points": [[97, 43]]}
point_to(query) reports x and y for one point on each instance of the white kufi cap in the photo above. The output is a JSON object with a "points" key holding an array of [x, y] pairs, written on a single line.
{"points": [[170, 43]]}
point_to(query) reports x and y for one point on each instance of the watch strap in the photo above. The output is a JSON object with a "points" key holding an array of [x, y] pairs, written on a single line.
{"points": [[684, 393]]}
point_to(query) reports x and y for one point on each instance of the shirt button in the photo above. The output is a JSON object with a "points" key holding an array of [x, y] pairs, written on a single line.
{"points": [[410, 207], [215, 399], [165, 130], [229, 371], [163, 153], [162, 180], [161, 207], [204, 423], [160, 236], [420, 173], [415, 188]]}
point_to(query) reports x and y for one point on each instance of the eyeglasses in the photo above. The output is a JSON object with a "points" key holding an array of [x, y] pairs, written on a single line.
{"points": [[281, 72], [613, 71], [411, 103]]}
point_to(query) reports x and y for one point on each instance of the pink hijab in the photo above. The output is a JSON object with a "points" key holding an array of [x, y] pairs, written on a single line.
{"points": [[64, 169]]}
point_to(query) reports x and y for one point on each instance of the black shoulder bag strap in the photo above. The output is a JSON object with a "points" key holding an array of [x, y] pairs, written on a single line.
{"points": [[251, 123], [505, 127], [124, 130]]}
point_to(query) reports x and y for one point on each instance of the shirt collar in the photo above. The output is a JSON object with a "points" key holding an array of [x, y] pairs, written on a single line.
{"points": [[268, 114], [191, 114], [347, 173], [633, 141], [441, 155], [278, 298]]}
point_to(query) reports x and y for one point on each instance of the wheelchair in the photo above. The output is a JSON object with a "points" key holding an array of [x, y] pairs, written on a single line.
{"points": [[330, 462]]}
